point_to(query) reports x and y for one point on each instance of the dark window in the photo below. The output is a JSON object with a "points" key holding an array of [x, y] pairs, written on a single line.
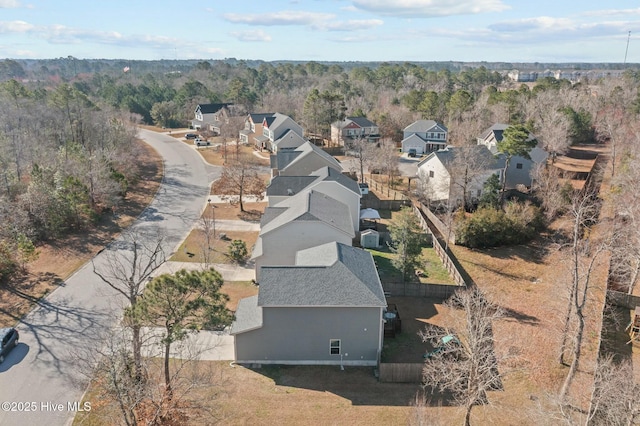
{"points": [[430, 173], [334, 346], [518, 165]]}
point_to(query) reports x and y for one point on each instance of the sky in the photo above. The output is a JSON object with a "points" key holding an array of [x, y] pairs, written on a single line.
{"points": [[324, 30]]}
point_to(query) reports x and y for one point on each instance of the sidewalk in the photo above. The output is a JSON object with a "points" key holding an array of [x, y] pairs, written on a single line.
{"points": [[230, 272]]}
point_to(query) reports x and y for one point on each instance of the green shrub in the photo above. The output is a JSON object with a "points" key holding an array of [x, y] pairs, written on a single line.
{"points": [[237, 251], [488, 227]]}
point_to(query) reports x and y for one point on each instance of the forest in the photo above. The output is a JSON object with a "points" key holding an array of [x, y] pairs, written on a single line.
{"points": [[66, 152]]}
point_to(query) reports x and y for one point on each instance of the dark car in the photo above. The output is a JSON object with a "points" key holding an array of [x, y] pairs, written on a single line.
{"points": [[190, 136], [412, 152], [9, 341]]}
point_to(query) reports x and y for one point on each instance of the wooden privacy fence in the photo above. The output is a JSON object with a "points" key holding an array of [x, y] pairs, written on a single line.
{"points": [[436, 291], [444, 255], [400, 372], [625, 300]]}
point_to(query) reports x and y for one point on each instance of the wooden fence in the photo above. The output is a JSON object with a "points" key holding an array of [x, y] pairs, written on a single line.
{"points": [[625, 300], [400, 372], [438, 245], [435, 291], [437, 223]]}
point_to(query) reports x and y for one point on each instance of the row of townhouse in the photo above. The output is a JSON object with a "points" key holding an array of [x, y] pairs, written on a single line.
{"points": [[320, 300]]}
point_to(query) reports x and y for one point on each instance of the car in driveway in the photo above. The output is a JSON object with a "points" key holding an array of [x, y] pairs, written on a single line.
{"points": [[201, 142], [190, 136], [9, 340]]}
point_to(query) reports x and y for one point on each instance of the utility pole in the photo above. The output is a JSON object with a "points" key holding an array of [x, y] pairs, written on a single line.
{"points": [[627, 50]]}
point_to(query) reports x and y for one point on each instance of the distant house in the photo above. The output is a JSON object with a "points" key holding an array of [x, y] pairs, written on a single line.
{"points": [[326, 180], [252, 131], [301, 161], [211, 116], [325, 309], [351, 128], [274, 127], [520, 168], [435, 172], [424, 136]]}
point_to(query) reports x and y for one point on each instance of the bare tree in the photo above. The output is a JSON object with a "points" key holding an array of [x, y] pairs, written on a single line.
{"points": [[469, 369], [240, 178], [585, 253], [469, 165], [616, 395], [551, 189], [129, 264], [365, 152]]}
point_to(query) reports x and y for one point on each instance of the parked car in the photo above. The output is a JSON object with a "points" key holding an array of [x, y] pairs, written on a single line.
{"points": [[412, 152], [9, 340], [201, 142], [447, 345], [190, 136]]}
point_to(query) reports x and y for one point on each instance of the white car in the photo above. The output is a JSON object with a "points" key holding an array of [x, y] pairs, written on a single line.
{"points": [[201, 142]]}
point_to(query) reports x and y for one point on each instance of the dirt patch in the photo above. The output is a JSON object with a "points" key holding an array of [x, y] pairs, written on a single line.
{"points": [[58, 259], [237, 290], [228, 211]]}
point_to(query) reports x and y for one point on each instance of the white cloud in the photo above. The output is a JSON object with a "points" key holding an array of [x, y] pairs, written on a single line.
{"points": [[612, 12], [15, 27], [9, 4], [285, 17], [257, 35], [429, 8], [351, 25]]}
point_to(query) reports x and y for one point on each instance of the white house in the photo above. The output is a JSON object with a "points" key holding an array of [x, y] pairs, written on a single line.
{"points": [[441, 179], [424, 136]]}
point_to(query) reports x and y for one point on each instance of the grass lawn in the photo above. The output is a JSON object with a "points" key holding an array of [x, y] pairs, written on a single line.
{"points": [[194, 246], [434, 271]]}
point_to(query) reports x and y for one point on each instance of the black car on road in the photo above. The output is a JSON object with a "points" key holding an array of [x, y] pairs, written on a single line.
{"points": [[9, 340]]}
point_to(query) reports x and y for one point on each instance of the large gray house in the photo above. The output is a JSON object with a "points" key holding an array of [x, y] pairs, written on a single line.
{"points": [[327, 309]]}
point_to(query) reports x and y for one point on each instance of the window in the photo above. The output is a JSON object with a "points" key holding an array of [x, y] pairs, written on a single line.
{"points": [[334, 346], [431, 173], [518, 165]]}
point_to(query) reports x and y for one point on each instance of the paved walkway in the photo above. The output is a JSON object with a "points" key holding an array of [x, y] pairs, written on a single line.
{"points": [[230, 272], [236, 225], [203, 345]]}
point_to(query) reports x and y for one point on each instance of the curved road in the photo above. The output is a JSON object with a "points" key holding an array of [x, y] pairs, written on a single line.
{"points": [[41, 379]]}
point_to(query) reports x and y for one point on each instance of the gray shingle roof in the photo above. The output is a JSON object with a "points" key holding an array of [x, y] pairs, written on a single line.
{"points": [[423, 126], [248, 315], [291, 185], [362, 121], [446, 156], [497, 130], [310, 206], [212, 108], [331, 274]]}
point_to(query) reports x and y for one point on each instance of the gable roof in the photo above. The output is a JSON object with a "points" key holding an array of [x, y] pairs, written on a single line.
{"points": [[212, 108], [259, 117], [417, 138], [329, 174], [497, 129], [331, 274], [288, 185], [422, 126], [291, 135], [248, 316], [362, 121], [285, 158], [447, 155], [308, 206]]}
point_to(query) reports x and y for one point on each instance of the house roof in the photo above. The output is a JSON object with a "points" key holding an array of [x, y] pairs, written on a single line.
{"points": [[248, 315], [424, 126], [259, 117], [496, 130], [331, 274], [291, 135], [279, 123], [212, 108], [308, 206], [414, 136], [288, 185], [285, 158], [446, 156], [362, 121]]}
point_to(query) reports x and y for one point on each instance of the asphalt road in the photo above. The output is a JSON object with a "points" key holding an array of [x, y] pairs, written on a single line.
{"points": [[42, 378]]}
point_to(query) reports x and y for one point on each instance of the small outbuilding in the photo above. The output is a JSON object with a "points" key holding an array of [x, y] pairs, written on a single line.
{"points": [[370, 238]]}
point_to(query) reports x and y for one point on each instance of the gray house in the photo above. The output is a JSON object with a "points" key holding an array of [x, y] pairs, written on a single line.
{"points": [[520, 168], [327, 180], [324, 310], [302, 160], [424, 136], [305, 220]]}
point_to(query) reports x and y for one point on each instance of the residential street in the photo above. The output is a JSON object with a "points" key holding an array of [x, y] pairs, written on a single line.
{"points": [[43, 375]]}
